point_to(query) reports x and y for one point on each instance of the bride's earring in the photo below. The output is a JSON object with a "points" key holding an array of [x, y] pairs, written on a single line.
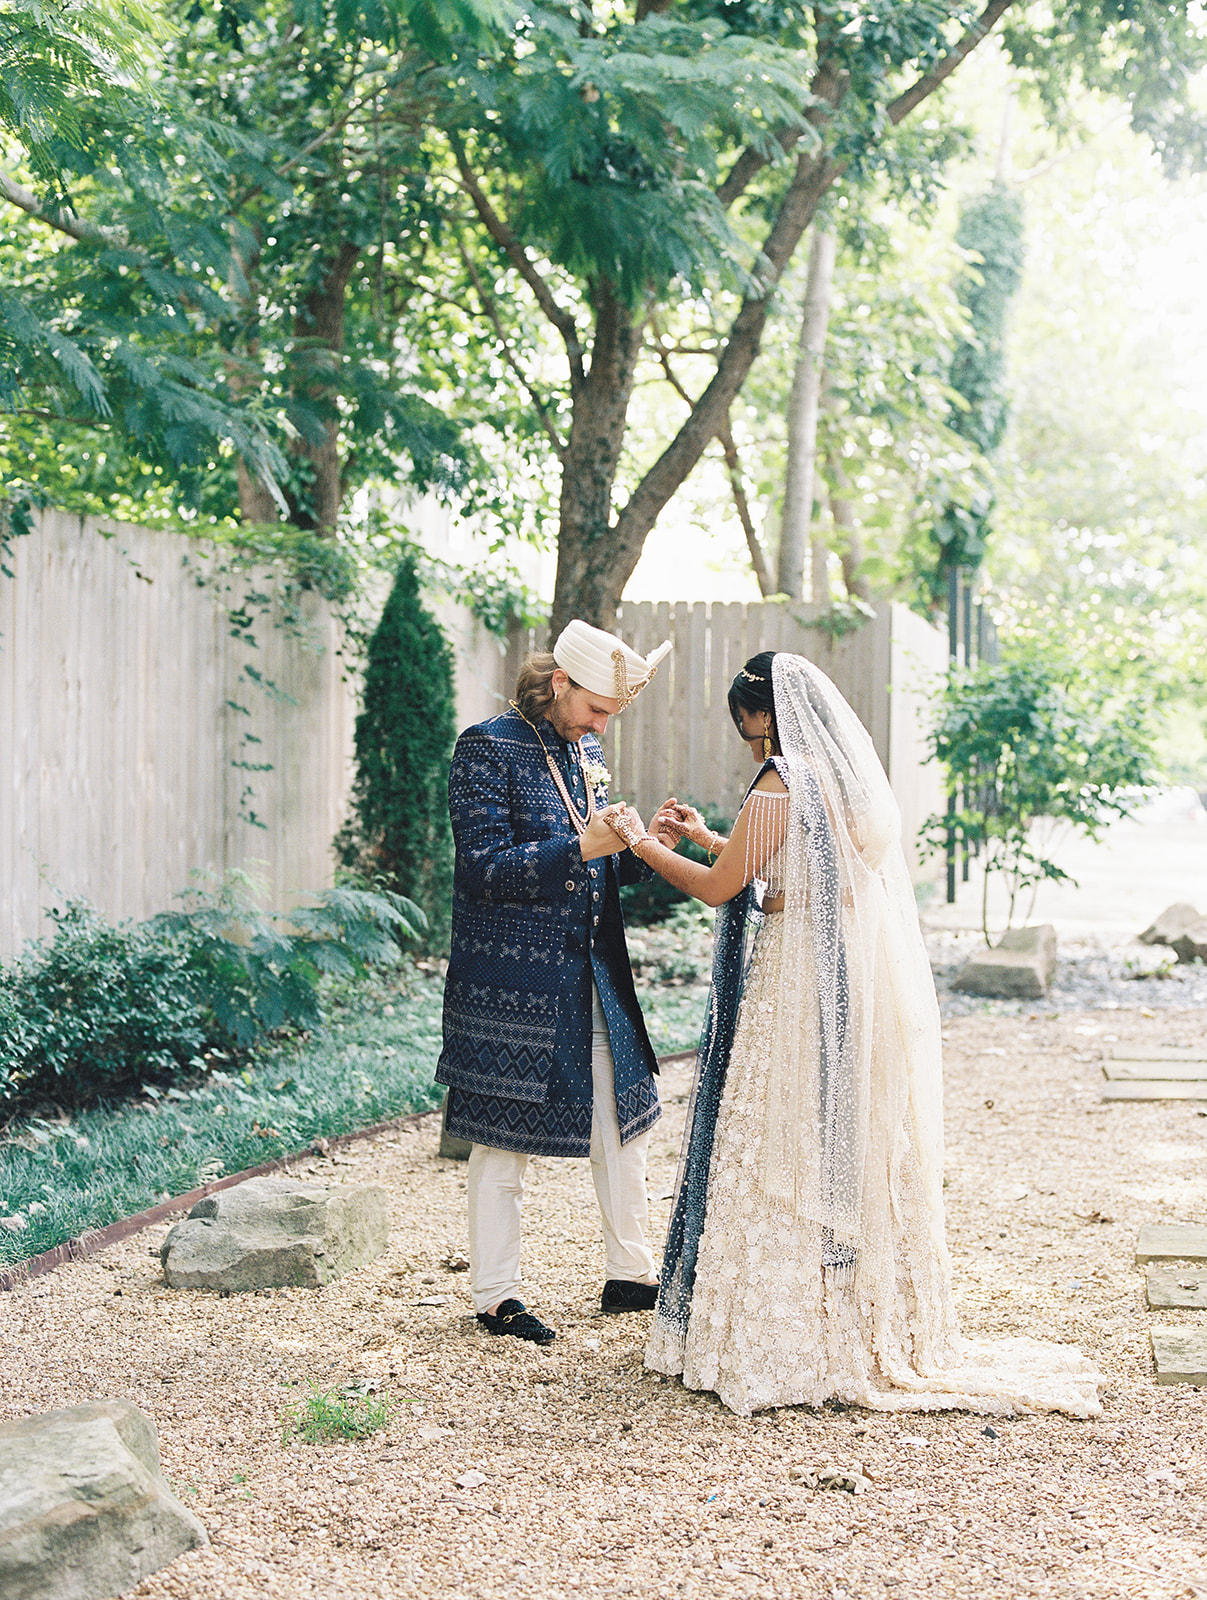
{"points": [[766, 741]]}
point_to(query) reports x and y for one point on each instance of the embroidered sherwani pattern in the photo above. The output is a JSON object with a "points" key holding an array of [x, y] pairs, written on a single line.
{"points": [[533, 927]]}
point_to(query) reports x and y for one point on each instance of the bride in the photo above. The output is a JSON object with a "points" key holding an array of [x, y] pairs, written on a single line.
{"points": [[806, 1259]]}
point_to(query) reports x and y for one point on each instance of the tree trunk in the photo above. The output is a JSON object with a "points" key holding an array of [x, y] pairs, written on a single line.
{"points": [[592, 572], [595, 561], [758, 558], [583, 587], [849, 540], [320, 326], [804, 408], [256, 504]]}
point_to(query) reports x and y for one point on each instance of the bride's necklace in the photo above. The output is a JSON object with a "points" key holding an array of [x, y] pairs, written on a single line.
{"points": [[578, 821]]}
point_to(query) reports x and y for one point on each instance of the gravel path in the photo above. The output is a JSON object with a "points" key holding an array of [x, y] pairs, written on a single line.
{"points": [[601, 1479]]}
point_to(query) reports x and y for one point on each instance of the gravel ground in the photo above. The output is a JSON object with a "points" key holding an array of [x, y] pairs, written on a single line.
{"points": [[1091, 974], [602, 1479]]}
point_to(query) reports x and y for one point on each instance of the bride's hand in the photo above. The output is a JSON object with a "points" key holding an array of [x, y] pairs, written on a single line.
{"points": [[626, 821], [666, 825], [692, 825]]}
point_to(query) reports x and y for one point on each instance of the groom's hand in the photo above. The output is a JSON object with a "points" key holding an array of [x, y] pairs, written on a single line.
{"points": [[601, 839]]}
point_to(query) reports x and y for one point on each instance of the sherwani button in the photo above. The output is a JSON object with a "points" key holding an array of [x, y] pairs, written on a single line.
{"points": [[570, 884]]}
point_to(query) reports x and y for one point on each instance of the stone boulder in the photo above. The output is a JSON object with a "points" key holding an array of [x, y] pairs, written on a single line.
{"points": [[452, 1147], [84, 1513], [1018, 967], [1171, 924], [1183, 929], [276, 1233], [1191, 944]]}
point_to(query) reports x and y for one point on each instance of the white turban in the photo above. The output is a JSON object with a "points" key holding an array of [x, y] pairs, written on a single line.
{"points": [[604, 664]]}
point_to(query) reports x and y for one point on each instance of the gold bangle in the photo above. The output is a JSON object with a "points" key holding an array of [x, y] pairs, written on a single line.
{"points": [[714, 848]]}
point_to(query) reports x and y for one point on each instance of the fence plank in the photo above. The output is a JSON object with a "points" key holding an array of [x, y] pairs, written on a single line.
{"points": [[115, 667], [118, 742]]}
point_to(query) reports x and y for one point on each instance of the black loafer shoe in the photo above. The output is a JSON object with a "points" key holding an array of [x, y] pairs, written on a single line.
{"points": [[512, 1318], [621, 1295]]}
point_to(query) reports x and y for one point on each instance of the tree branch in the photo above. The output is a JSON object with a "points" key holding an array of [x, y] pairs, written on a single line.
{"points": [[814, 175], [930, 81], [828, 87], [754, 544], [62, 220], [490, 308], [758, 556], [502, 235]]}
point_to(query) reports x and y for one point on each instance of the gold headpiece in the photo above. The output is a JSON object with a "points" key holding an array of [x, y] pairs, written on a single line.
{"points": [[627, 692]]}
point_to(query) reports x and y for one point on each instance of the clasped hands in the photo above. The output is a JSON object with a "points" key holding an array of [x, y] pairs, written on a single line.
{"points": [[672, 821]]}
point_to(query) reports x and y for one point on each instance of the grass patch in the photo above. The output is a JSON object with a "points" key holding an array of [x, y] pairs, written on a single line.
{"points": [[674, 1018], [672, 963], [372, 1059], [326, 1416]]}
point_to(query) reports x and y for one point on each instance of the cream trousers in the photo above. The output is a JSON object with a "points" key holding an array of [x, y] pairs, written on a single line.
{"points": [[496, 1193]]}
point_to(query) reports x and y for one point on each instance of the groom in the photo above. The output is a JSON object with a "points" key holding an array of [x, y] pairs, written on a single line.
{"points": [[545, 1051]]}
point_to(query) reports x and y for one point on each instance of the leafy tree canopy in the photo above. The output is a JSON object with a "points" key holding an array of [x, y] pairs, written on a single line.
{"points": [[339, 224]]}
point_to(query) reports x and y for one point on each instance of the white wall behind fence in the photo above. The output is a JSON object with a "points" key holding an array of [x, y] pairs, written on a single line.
{"points": [[119, 680]]}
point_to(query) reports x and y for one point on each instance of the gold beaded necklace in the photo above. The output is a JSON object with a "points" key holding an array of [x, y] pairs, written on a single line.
{"points": [[578, 821]]}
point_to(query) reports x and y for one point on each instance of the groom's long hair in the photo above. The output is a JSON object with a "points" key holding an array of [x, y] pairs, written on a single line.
{"points": [[533, 686]]}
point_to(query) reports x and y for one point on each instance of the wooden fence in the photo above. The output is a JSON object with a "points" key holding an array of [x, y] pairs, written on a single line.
{"points": [[677, 737], [121, 733], [120, 684]]}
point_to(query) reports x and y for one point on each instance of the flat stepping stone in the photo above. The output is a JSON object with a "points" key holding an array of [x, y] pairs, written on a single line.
{"points": [[1155, 1071], [1164, 1089], [1180, 1354], [1157, 1052], [1176, 1286], [1171, 1241]]}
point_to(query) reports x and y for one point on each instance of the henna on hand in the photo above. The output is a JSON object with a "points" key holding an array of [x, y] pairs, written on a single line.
{"points": [[628, 824]]}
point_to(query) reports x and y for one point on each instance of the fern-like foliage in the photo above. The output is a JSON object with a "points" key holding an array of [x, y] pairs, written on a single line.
{"points": [[618, 136], [162, 286], [255, 971]]}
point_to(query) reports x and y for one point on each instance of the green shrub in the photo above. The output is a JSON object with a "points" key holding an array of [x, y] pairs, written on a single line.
{"points": [[98, 1012], [94, 1011], [1031, 749], [373, 1058], [253, 972], [399, 834]]}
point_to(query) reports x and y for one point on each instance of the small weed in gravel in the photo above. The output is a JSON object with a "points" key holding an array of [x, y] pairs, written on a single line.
{"points": [[327, 1415]]}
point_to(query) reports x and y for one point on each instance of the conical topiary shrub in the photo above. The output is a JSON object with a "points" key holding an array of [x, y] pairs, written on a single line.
{"points": [[399, 835]]}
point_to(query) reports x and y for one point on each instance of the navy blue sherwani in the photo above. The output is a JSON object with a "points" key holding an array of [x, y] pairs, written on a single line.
{"points": [[532, 925]]}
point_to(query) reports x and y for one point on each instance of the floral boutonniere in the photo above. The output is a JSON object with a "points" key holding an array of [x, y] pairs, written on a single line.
{"points": [[596, 774]]}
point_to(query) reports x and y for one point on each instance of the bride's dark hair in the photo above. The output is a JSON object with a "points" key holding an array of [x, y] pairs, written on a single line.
{"points": [[751, 690]]}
